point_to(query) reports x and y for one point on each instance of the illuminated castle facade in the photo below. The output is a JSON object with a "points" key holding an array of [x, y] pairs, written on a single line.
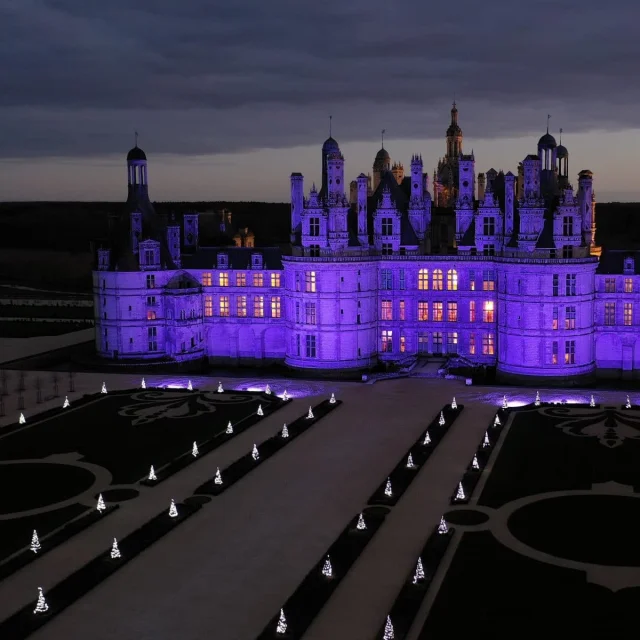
{"points": [[521, 286]]}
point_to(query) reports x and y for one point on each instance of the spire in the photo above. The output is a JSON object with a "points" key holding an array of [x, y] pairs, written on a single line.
{"points": [[560, 135], [548, 118], [454, 113], [330, 125], [382, 135], [136, 137]]}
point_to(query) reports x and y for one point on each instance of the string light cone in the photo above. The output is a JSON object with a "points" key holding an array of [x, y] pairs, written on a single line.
{"points": [[592, 402], [361, 526], [505, 404], [410, 463], [486, 442], [628, 405], [285, 395], [66, 402], [537, 400], [332, 399], [143, 385], [418, 576], [454, 404], [281, 627], [229, 429], [260, 412], [101, 505], [254, 453], [152, 474], [310, 414], [115, 552], [474, 463], [220, 388], [327, 569], [194, 450], [427, 439], [388, 630], [441, 421], [21, 419], [268, 390], [443, 527], [218, 478], [387, 489], [41, 605], [460, 493], [104, 388], [189, 386], [496, 422], [35, 542], [173, 510], [285, 431]]}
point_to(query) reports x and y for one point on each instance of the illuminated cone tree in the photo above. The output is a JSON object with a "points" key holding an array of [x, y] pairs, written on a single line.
{"points": [[486, 442], [173, 510], [101, 505], [285, 395], [194, 450], [410, 463], [281, 627], [387, 489], [104, 388], [454, 404], [537, 400], [332, 399], [419, 574], [152, 474], [268, 390], [115, 552], [592, 402], [143, 385], [496, 422], [41, 605], [361, 526], [310, 414], [505, 404], [35, 542], [327, 569], [388, 630], [460, 493], [229, 428], [218, 478], [285, 431], [66, 402], [427, 439], [254, 453], [441, 421], [220, 388], [260, 412], [474, 463], [443, 527], [21, 419]]}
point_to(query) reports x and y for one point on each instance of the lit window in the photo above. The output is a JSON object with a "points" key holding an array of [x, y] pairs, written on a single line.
{"points": [[208, 306], [310, 281], [452, 280], [275, 279], [401, 310], [488, 281], [387, 310], [223, 279], [452, 312], [570, 318], [472, 281], [554, 322], [628, 314], [609, 285], [275, 307], [241, 306], [151, 314], [487, 311], [452, 342], [472, 344], [387, 341], [224, 306], [488, 344], [554, 352], [610, 313], [403, 343], [628, 285], [472, 310], [437, 280], [423, 311], [258, 280], [423, 279], [258, 307], [206, 279], [437, 312], [241, 279], [570, 352]]}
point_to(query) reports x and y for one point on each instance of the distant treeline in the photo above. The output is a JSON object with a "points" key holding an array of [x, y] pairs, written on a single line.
{"points": [[72, 226]]}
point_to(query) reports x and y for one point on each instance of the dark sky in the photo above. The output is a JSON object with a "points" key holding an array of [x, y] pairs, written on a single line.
{"points": [[209, 78]]}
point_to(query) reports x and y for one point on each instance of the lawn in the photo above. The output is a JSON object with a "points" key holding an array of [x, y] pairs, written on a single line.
{"points": [[529, 570], [123, 432]]}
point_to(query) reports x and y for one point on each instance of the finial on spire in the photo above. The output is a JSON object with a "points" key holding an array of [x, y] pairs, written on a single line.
{"points": [[548, 118], [560, 135], [330, 125], [136, 135], [454, 99], [383, 137]]}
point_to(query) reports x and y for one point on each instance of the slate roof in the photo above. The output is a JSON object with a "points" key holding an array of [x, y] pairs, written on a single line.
{"points": [[469, 237], [239, 258]]}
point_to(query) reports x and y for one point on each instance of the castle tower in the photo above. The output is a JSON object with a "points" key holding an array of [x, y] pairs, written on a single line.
{"points": [[330, 146], [547, 150], [465, 200], [562, 167], [381, 164], [586, 207], [417, 183], [297, 203], [363, 231], [509, 194], [454, 134], [419, 201], [335, 175], [398, 172], [481, 186], [138, 188]]}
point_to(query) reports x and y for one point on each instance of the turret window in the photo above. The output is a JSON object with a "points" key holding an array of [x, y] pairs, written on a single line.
{"points": [[488, 226], [570, 318], [567, 226], [487, 311], [310, 346], [387, 226], [570, 284], [628, 314], [386, 312], [310, 281], [488, 344], [314, 226]]}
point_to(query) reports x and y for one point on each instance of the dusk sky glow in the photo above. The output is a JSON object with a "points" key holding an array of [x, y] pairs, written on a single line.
{"points": [[230, 98]]}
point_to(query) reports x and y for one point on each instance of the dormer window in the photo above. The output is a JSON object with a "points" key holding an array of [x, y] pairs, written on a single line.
{"points": [[629, 265], [223, 261], [104, 257], [256, 261], [149, 254]]}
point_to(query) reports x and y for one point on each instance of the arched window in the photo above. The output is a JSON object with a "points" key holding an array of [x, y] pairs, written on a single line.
{"points": [[423, 279], [452, 280], [438, 283]]}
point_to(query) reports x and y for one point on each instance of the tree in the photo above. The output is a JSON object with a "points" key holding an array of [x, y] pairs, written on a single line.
{"points": [[628, 405], [218, 478], [460, 493], [104, 388], [442, 527], [254, 453], [21, 419], [474, 463], [454, 404], [418, 576], [410, 464], [285, 396], [41, 605], [427, 439], [361, 526], [486, 442], [189, 386], [505, 404], [220, 388], [332, 399], [101, 505], [285, 431], [194, 450], [143, 385], [388, 630], [387, 490], [310, 415], [268, 390], [173, 510], [327, 569], [281, 627], [35, 542], [496, 422], [260, 411], [66, 402], [229, 430], [592, 402], [537, 400], [115, 552], [442, 421], [152, 474]]}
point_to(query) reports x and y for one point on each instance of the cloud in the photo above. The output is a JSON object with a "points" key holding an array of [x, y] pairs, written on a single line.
{"points": [[206, 76]]}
